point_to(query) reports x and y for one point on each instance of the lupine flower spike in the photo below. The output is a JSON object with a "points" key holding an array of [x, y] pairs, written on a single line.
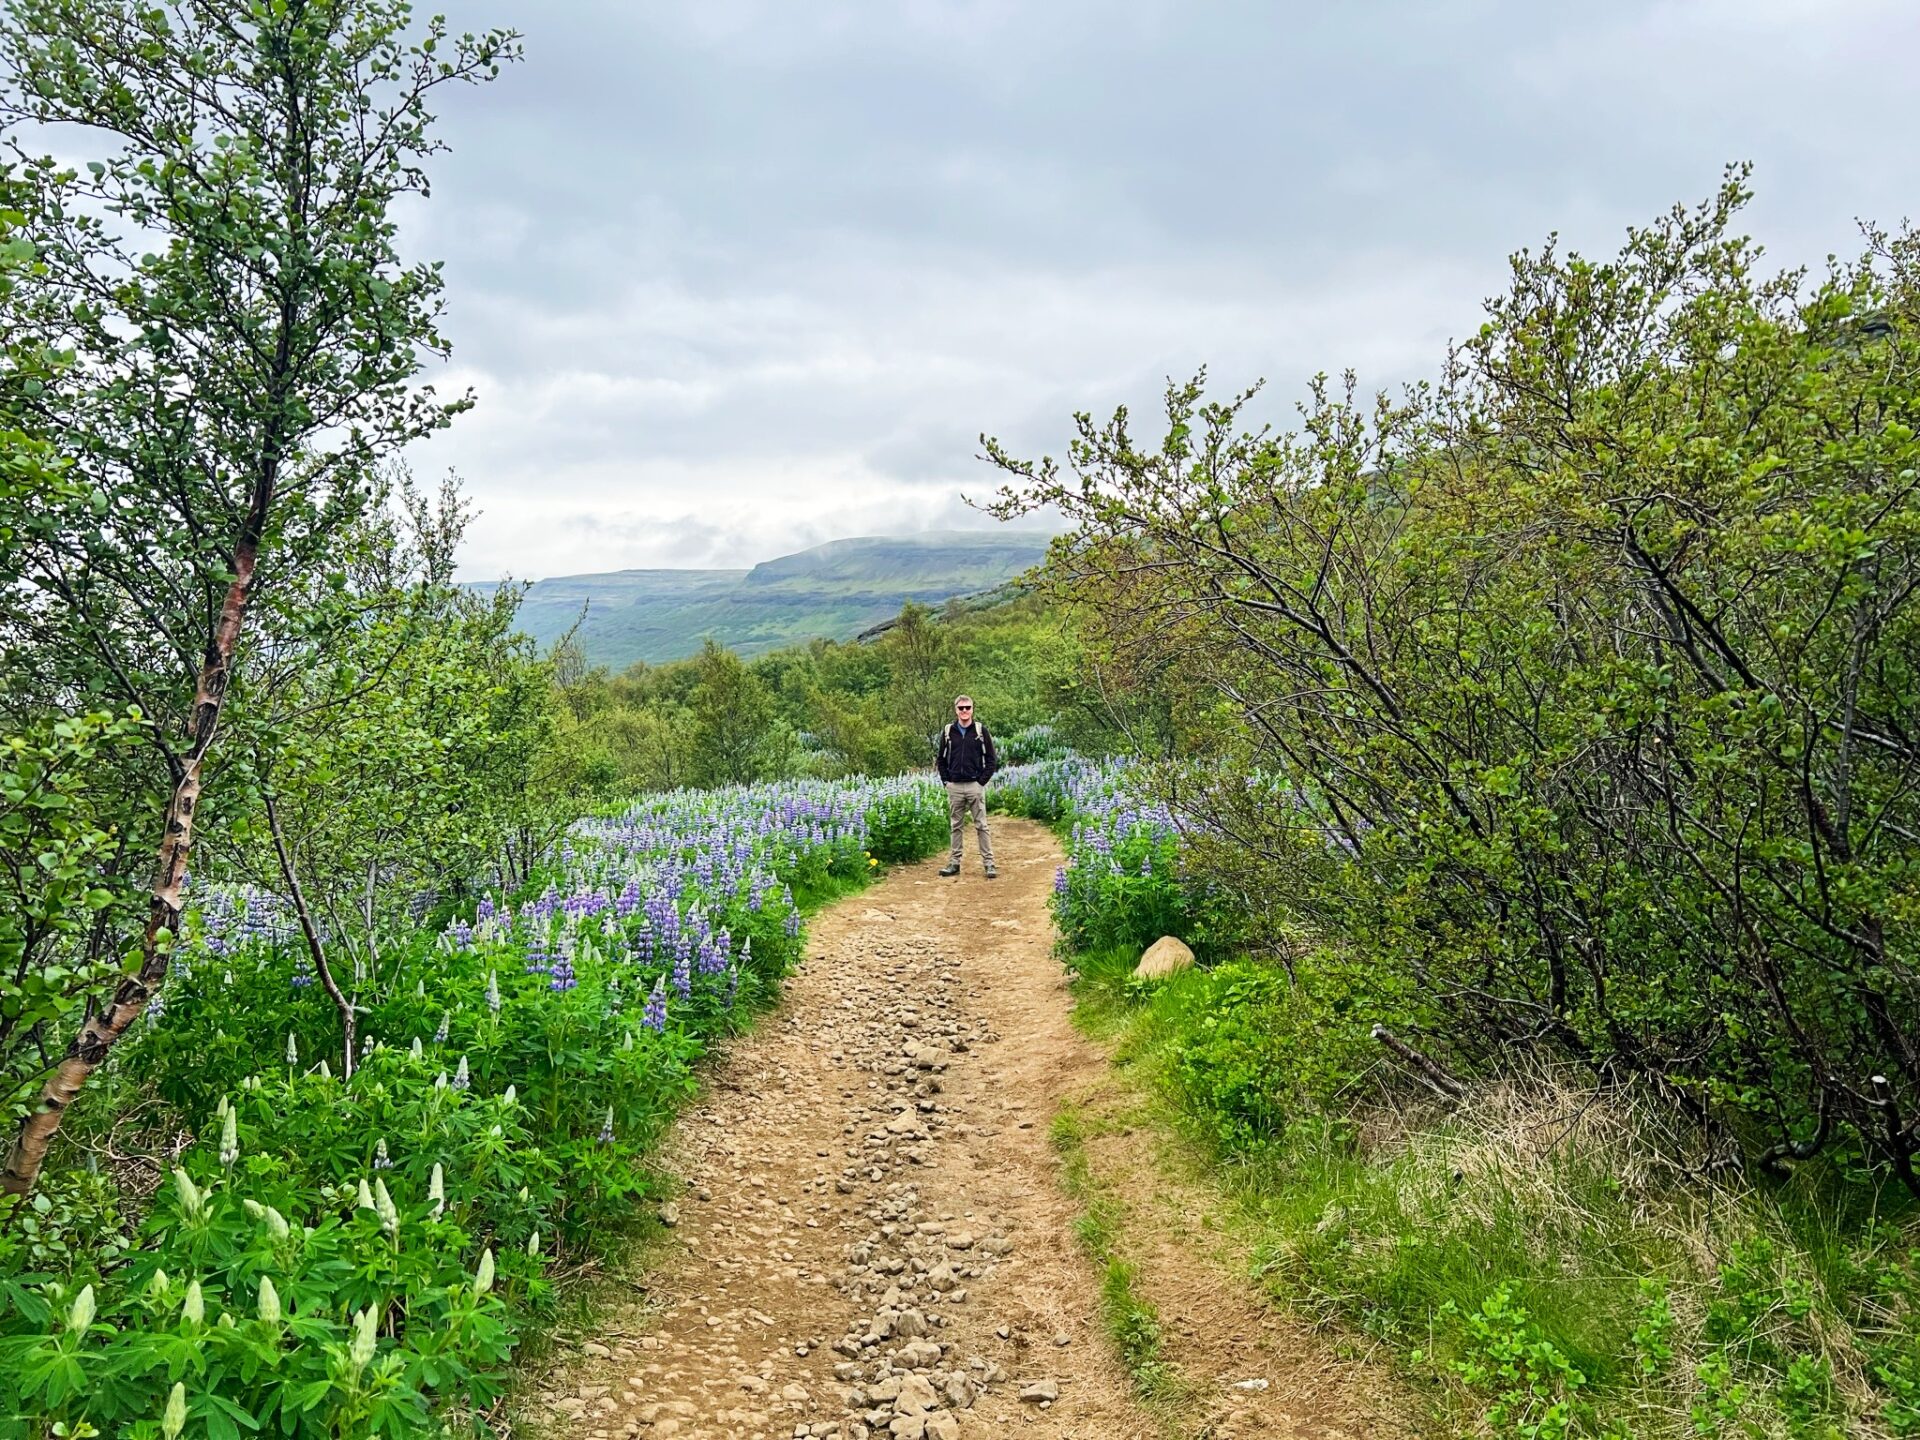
{"points": [[174, 1418], [366, 1335], [229, 1138], [388, 1212]]}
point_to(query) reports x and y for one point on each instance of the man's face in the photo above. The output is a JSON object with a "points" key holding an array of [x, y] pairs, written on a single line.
{"points": [[963, 713]]}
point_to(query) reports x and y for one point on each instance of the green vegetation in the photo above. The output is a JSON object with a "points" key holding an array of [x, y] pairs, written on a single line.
{"points": [[829, 708], [1579, 697], [1542, 1253], [834, 591], [1529, 759], [356, 1251], [343, 988]]}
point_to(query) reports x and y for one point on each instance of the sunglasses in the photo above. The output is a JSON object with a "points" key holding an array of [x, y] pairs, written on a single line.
{"points": [[963, 707]]}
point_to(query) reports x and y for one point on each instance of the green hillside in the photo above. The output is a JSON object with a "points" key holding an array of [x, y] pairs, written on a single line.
{"points": [[833, 590]]}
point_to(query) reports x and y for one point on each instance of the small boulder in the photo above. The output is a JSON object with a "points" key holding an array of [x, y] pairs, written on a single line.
{"points": [[1166, 956]]}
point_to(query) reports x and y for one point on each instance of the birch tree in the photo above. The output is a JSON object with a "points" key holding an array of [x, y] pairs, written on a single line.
{"points": [[245, 338]]}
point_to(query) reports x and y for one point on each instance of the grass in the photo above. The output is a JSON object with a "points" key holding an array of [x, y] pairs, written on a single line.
{"points": [[1132, 1323], [1544, 1258]]}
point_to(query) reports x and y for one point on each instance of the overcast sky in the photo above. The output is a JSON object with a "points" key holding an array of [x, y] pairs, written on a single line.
{"points": [[732, 277]]}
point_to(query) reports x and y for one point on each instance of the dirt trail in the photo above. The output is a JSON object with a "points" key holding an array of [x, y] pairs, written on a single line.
{"points": [[874, 1241]]}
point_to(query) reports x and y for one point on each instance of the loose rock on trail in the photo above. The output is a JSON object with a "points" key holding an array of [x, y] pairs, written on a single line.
{"points": [[872, 1241]]}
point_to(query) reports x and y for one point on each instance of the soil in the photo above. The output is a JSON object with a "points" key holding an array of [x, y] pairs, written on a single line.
{"points": [[874, 1240]]}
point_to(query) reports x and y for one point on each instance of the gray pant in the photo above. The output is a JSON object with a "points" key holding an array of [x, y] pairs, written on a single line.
{"points": [[964, 799]]}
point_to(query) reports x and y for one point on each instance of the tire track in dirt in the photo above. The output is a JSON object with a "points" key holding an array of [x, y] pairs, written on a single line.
{"points": [[873, 1240]]}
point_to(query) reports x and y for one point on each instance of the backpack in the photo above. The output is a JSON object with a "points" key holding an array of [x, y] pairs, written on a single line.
{"points": [[946, 735]]}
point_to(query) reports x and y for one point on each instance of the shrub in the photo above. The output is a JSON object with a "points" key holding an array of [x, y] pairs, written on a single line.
{"points": [[1577, 691], [1032, 745]]}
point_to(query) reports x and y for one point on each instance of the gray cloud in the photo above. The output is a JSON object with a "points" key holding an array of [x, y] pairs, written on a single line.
{"points": [[734, 275]]}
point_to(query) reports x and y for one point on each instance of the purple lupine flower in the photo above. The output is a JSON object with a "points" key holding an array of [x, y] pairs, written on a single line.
{"points": [[654, 1017], [1060, 880], [606, 1129], [562, 977]]}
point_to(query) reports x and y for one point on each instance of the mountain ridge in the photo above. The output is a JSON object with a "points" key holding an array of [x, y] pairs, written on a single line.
{"points": [[834, 591]]}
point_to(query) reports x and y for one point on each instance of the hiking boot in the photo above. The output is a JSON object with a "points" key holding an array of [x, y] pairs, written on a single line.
{"points": [[992, 874], [952, 867]]}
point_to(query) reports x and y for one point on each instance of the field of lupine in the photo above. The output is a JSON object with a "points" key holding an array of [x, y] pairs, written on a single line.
{"points": [[1123, 885], [333, 1257]]}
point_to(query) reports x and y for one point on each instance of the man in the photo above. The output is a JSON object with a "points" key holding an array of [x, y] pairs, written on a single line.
{"points": [[966, 761]]}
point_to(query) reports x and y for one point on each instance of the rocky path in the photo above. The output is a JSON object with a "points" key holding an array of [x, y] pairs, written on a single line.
{"points": [[873, 1241]]}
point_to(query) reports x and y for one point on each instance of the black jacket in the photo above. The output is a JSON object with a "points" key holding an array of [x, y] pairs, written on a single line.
{"points": [[966, 756]]}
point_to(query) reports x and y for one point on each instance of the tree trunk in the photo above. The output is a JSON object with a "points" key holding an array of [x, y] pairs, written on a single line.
{"points": [[312, 934], [103, 1028]]}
